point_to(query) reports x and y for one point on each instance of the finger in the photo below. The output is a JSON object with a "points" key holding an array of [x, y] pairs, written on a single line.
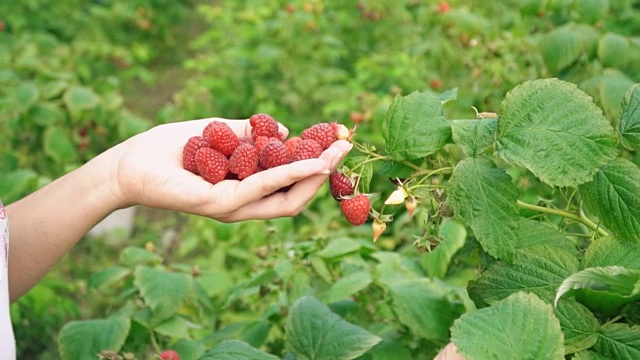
{"points": [[293, 201], [259, 185]]}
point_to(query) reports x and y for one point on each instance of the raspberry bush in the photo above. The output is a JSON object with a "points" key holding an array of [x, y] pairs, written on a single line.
{"points": [[527, 205]]}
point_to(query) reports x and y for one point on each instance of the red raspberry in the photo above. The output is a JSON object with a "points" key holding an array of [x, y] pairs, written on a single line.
{"points": [[356, 209], [292, 143], [244, 161], [221, 137], [189, 153], [340, 185], [261, 141], [274, 154], [324, 133], [263, 125], [306, 149], [169, 355], [213, 166]]}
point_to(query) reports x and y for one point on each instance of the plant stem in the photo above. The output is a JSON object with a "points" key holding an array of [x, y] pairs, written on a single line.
{"points": [[569, 215], [363, 149]]}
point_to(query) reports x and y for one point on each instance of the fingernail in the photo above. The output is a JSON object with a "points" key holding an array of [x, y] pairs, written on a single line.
{"points": [[326, 171]]}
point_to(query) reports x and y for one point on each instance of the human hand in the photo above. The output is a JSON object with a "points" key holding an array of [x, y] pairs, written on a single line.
{"points": [[148, 171], [450, 352]]}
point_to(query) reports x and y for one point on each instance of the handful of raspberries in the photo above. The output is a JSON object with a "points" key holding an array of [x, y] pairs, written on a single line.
{"points": [[220, 154]]}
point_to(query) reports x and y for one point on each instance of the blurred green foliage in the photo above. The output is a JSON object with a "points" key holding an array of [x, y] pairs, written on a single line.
{"points": [[68, 67]]}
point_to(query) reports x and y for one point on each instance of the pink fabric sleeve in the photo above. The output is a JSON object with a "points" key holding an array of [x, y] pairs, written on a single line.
{"points": [[7, 342]]}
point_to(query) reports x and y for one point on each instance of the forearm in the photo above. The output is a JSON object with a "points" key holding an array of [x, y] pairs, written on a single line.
{"points": [[45, 225]]}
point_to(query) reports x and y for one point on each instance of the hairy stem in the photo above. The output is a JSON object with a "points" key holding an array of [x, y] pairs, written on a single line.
{"points": [[569, 215]]}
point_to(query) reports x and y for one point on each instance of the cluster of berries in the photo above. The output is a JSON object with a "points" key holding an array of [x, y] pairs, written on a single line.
{"points": [[219, 154]]}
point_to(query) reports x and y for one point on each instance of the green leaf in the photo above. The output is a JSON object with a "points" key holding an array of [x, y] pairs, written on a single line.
{"points": [[365, 172], [610, 251], [591, 11], [215, 283], [474, 136], [534, 232], [316, 333], [175, 326], [449, 95], [85, 339], [485, 198], [619, 341], [347, 286], [321, 268], [453, 235], [52, 89], [614, 196], [539, 269], [132, 256], [415, 127], [130, 125], [561, 47], [80, 98], [629, 125], [58, 146], [107, 277], [389, 349], [25, 95], [339, 247], [236, 350], [579, 325], [425, 308], [588, 355], [189, 349], [163, 291], [614, 50], [556, 131], [615, 280], [612, 88], [45, 114], [519, 327], [14, 184]]}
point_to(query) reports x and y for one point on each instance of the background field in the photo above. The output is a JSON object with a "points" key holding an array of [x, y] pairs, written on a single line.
{"points": [[79, 76]]}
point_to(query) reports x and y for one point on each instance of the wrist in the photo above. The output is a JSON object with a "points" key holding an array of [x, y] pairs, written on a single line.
{"points": [[101, 174]]}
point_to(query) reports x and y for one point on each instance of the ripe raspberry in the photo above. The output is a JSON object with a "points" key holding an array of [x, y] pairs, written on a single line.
{"points": [[274, 154], [356, 209], [306, 149], [244, 161], [189, 153], [169, 355], [340, 185], [221, 137], [261, 141], [324, 133], [213, 166], [263, 125], [292, 143]]}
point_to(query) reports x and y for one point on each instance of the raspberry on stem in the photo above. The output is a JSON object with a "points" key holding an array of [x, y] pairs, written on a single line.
{"points": [[340, 185], [356, 209]]}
